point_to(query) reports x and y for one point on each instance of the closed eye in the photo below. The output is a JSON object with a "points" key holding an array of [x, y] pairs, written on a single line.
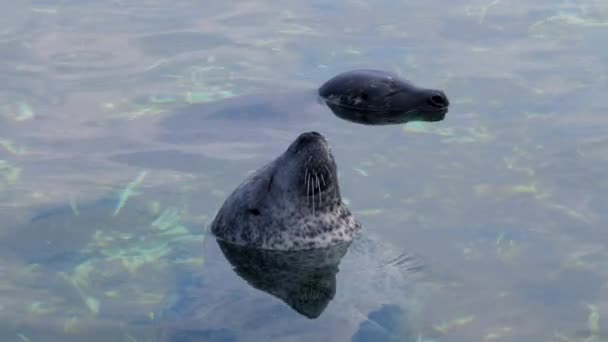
{"points": [[254, 211]]}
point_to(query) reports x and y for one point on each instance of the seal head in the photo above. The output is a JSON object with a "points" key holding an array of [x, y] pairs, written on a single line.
{"points": [[376, 97], [292, 203]]}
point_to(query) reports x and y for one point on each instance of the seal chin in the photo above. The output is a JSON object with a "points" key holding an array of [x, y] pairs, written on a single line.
{"points": [[431, 115], [319, 174], [316, 166]]}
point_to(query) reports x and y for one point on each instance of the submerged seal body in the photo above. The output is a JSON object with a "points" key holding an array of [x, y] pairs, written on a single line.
{"points": [[292, 203], [377, 97]]}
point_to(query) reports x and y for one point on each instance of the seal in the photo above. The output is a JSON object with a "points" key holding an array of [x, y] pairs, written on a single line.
{"points": [[376, 97], [369, 97], [292, 203]]}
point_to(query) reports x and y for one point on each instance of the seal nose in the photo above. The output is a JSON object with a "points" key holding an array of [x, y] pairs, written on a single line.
{"points": [[308, 138], [438, 99]]}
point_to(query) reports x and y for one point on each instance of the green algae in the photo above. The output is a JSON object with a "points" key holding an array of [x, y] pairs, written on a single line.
{"points": [[458, 135], [127, 241], [444, 328], [507, 249], [11, 147], [416, 127], [139, 111], [156, 64], [299, 30], [128, 191], [168, 218], [9, 172], [132, 251], [593, 321], [17, 111], [480, 11], [130, 338], [581, 18], [45, 10], [510, 190], [93, 304], [80, 280], [360, 171], [24, 112], [154, 105], [9, 175], [593, 328], [74, 207], [22, 337], [134, 257], [41, 308], [112, 294], [369, 212], [589, 258], [198, 97], [71, 325], [498, 333], [81, 275]]}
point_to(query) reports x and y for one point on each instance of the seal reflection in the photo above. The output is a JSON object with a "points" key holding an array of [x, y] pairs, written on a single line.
{"points": [[303, 279]]}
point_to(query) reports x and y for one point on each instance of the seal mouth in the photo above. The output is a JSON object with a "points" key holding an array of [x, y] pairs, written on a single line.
{"points": [[318, 182], [318, 177], [432, 114]]}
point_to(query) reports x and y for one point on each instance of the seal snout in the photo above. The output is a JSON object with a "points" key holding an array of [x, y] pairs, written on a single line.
{"points": [[307, 139], [310, 136]]}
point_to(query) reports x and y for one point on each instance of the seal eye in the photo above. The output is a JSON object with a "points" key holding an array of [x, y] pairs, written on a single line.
{"points": [[363, 96], [253, 211]]}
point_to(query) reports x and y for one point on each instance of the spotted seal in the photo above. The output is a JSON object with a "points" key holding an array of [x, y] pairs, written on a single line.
{"points": [[292, 203]]}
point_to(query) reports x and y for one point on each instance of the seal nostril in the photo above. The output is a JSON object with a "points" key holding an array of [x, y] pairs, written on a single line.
{"points": [[438, 101]]}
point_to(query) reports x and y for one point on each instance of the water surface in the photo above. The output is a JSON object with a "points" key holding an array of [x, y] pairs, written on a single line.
{"points": [[104, 216]]}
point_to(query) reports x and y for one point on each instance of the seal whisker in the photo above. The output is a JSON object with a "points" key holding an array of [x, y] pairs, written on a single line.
{"points": [[313, 195], [327, 169], [319, 187], [308, 191], [307, 176]]}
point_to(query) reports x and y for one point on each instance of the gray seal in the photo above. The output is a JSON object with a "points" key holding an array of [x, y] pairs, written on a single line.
{"points": [[292, 203]]}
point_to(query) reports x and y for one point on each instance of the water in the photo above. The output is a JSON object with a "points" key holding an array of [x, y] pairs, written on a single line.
{"points": [[503, 202]]}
